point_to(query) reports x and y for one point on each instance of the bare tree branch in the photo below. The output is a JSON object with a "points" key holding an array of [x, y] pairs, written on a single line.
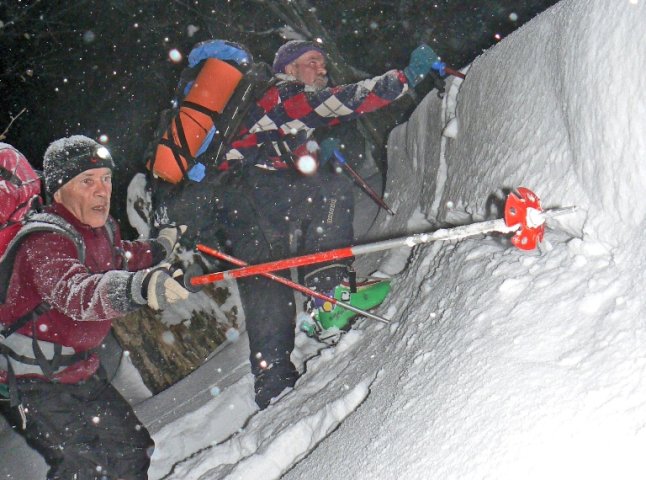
{"points": [[3, 135]]}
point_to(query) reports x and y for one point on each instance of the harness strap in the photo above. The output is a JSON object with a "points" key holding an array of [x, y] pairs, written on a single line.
{"points": [[60, 361], [6, 174], [177, 150], [48, 368], [183, 146], [14, 396], [22, 321], [214, 114]]}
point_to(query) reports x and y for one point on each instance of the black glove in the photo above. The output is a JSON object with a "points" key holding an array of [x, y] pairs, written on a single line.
{"points": [[168, 237], [158, 288]]}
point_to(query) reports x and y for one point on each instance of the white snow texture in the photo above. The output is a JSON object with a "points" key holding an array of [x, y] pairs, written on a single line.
{"points": [[499, 363]]}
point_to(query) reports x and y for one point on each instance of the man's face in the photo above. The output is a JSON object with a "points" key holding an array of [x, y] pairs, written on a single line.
{"points": [[310, 69], [87, 196]]}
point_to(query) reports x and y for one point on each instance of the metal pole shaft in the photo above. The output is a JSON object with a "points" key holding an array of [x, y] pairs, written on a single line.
{"points": [[347, 252]]}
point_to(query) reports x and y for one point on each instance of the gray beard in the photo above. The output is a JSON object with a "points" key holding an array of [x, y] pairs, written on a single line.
{"points": [[317, 87]]}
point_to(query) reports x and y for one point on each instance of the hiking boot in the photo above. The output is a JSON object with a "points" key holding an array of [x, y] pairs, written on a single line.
{"points": [[272, 381], [368, 294]]}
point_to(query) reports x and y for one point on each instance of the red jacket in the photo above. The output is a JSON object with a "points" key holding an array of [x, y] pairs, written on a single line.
{"points": [[84, 297]]}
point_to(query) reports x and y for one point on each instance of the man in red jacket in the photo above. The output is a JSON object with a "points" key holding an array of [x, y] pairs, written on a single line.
{"points": [[68, 410], [272, 199]]}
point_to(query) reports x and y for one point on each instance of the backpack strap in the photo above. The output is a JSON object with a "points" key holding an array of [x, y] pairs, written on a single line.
{"points": [[22, 321], [10, 176], [111, 230], [36, 222]]}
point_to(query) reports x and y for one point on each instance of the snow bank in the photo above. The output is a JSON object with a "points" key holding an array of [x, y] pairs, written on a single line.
{"points": [[557, 106], [499, 364], [506, 364]]}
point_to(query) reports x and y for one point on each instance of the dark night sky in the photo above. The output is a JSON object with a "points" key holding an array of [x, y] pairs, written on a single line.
{"points": [[101, 66]]}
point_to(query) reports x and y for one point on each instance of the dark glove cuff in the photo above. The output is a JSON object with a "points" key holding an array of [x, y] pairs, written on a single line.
{"points": [[158, 251], [410, 76], [138, 286]]}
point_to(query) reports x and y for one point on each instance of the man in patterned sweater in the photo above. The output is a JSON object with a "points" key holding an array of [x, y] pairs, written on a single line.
{"points": [[273, 199]]}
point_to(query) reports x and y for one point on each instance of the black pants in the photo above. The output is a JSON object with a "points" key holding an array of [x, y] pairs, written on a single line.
{"points": [[87, 430], [258, 218]]}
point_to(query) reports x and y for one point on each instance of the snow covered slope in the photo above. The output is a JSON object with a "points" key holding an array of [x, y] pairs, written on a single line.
{"points": [[507, 364], [499, 364]]}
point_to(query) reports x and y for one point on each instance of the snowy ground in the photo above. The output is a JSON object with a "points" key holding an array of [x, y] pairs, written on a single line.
{"points": [[499, 363]]}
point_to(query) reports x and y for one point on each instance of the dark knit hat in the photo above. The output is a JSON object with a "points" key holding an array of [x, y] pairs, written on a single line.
{"points": [[66, 157], [291, 51]]}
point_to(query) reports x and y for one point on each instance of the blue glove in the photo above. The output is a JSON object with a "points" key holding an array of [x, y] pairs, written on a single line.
{"points": [[328, 146], [421, 61]]}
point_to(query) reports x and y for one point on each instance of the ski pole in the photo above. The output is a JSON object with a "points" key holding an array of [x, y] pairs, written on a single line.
{"points": [[523, 216], [455, 73], [361, 182], [353, 251], [296, 286]]}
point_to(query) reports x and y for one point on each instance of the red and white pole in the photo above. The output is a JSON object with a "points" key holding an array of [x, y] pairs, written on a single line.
{"points": [[296, 286], [523, 217]]}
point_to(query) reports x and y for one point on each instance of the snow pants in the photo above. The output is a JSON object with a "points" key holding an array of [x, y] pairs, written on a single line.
{"points": [[86, 431], [263, 216]]}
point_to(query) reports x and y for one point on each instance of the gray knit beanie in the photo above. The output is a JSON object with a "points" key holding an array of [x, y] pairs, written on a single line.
{"points": [[66, 157]]}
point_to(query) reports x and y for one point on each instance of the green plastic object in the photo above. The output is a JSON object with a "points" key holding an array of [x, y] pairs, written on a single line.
{"points": [[4, 390], [309, 328], [366, 297]]}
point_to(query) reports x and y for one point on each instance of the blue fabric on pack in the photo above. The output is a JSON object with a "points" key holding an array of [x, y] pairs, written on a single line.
{"points": [[206, 142], [221, 49], [197, 173]]}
